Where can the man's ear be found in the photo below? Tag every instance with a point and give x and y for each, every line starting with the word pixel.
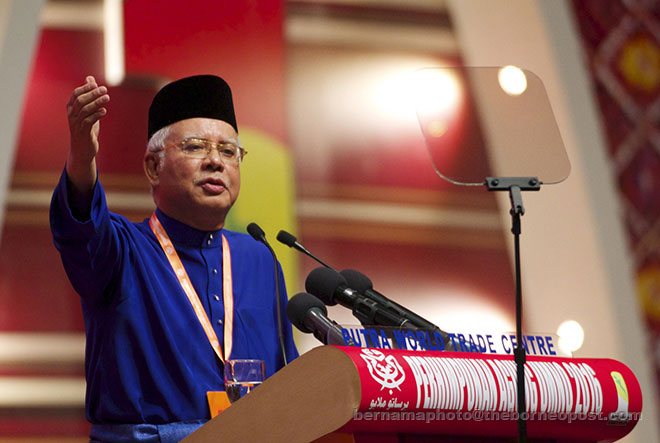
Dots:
pixel 152 167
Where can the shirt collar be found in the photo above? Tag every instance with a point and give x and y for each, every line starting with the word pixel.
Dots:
pixel 185 235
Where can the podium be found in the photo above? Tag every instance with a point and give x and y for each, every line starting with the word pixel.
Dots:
pixel 346 394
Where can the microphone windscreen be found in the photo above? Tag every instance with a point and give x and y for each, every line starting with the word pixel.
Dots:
pixel 357 280
pixel 256 232
pixel 323 282
pixel 286 238
pixel 298 307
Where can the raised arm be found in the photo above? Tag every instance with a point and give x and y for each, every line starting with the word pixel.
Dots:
pixel 84 110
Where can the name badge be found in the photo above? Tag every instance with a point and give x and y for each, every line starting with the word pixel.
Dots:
pixel 218 402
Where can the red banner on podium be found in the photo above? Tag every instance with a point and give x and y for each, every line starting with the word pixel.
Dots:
pixel 455 393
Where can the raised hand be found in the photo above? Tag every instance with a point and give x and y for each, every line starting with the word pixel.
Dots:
pixel 84 110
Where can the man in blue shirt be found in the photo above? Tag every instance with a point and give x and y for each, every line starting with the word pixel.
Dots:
pixel 168 300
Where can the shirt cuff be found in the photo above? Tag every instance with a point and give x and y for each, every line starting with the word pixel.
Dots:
pixel 62 220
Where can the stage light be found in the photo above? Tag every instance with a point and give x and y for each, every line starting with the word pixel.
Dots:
pixel 437 92
pixel 571 335
pixel 113 41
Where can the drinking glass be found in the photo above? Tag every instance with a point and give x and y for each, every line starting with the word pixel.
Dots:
pixel 241 376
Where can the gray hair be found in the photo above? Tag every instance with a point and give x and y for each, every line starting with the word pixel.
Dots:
pixel 156 144
pixel 157 141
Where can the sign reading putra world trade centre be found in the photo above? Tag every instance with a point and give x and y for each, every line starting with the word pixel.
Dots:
pixel 424 340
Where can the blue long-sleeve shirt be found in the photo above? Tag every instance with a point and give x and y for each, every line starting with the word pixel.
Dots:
pixel 147 358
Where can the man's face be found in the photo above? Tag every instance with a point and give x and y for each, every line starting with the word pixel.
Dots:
pixel 198 192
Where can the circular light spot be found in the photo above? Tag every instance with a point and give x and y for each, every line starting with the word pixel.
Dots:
pixel 512 80
pixel 571 335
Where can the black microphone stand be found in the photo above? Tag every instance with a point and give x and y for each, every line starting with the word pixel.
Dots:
pixel 259 235
pixel 515 185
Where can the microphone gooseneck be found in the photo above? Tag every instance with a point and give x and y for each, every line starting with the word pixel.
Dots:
pixel 259 235
pixel 291 241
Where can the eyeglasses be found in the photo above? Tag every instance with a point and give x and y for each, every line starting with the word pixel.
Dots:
pixel 200 148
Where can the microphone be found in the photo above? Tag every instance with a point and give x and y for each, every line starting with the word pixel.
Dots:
pixel 292 242
pixel 309 315
pixel 259 235
pixel 363 285
pixel 331 288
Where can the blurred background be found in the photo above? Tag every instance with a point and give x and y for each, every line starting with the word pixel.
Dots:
pixel 324 92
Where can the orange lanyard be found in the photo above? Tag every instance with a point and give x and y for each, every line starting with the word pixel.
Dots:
pixel 193 298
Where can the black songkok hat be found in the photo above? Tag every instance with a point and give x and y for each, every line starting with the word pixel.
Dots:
pixel 198 96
